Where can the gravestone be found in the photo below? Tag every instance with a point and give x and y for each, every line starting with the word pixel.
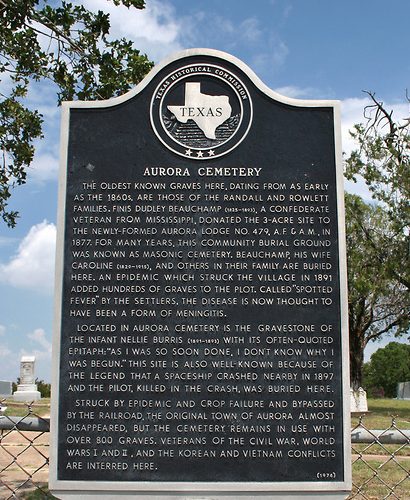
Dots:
pixel 403 390
pixel 200 329
pixel 358 401
pixel 27 388
pixel 5 388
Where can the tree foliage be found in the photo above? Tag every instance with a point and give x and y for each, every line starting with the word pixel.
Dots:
pixel 387 367
pixel 378 236
pixel 44 388
pixel 383 160
pixel 67 45
pixel 378 303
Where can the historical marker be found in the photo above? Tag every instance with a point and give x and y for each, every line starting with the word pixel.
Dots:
pixel 201 338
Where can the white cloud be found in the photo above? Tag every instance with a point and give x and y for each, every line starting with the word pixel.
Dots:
pixel 296 92
pixel 4 351
pixel 250 30
pixel 44 168
pixel 6 83
pixel 273 57
pixel 287 11
pixel 280 52
pixel 43 97
pixel 159 31
pixel 352 113
pixel 38 336
pixel 33 265
pixel 35 344
pixel 7 240
pixel 154 30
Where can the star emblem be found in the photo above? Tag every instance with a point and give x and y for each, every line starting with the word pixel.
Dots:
pixel 188 152
pixel 200 154
pixel 211 152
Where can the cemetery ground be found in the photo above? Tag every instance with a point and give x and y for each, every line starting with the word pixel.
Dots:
pixel 377 463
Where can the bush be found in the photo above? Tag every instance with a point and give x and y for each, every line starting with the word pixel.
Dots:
pixel 43 388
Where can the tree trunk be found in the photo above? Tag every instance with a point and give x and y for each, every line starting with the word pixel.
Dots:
pixel 356 359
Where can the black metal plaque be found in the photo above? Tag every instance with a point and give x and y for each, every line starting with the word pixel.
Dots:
pixel 202 297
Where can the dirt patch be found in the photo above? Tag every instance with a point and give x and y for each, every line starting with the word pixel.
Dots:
pixel 23 462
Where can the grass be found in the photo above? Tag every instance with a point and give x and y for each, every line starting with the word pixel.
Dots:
pixel 15 409
pixel 380 418
pixel 382 411
pixel 390 477
pixel 376 480
pixel 399 450
pixel 39 494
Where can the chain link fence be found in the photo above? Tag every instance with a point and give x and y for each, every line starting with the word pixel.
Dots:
pixel 24 452
pixel 380 462
pixel 380 458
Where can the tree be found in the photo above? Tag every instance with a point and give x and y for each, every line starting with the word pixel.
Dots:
pixel 387 367
pixel 379 250
pixel 43 388
pixel 383 160
pixel 67 45
pixel 378 302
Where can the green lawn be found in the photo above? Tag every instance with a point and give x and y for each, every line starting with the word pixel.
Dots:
pixel 41 494
pixel 39 408
pixel 391 479
pixel 381 413
pixel 377 474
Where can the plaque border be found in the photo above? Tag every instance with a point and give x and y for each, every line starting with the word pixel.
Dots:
pixel 65 489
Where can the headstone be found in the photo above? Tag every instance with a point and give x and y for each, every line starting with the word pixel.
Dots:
pixel 5 388
pixel 358 401
pixel 403 390
pixel 200 330
pixel 27 388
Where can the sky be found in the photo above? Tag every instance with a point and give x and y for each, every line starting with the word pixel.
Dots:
pixel 307 49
